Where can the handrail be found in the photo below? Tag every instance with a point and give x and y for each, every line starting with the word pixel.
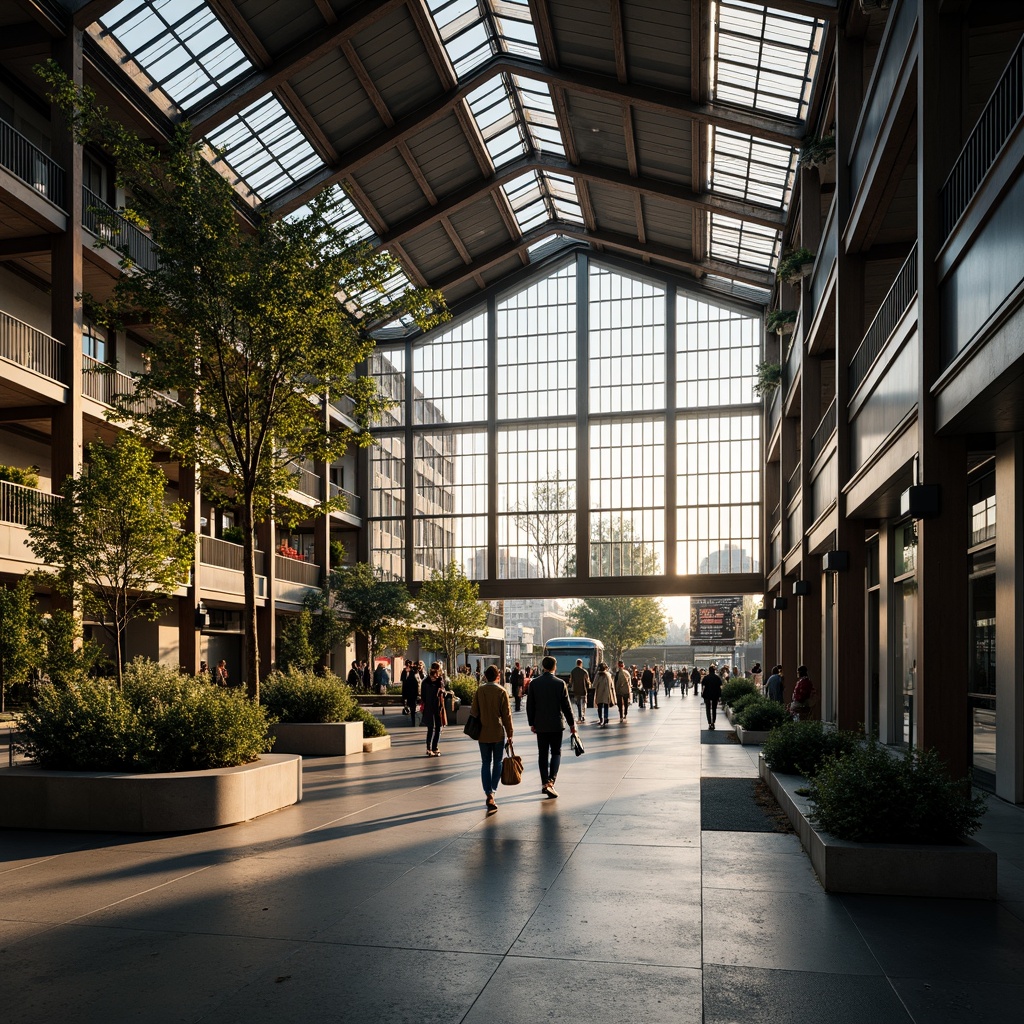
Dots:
pixel 793 484
pixel 825 429
pixel 22 505
pixel 116 231
pixel 294 570
pixel 309 482
pixel 896 302
pixel 355 502
pixel 225 554
pixel 27 161
pixel 29 347
pixel 1001 115
pixel 774 411
pixel 102 383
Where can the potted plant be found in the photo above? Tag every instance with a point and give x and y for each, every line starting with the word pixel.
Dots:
pixel 769 377
pixel 780 321
pixel 795 264
pixel 818 151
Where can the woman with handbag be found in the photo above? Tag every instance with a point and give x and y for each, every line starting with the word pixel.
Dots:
pixel 491 707
pixel 432 694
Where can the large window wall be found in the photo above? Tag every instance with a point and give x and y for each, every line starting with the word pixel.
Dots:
pixel 597 421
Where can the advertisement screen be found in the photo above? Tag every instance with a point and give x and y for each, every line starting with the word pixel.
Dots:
pixel 713 619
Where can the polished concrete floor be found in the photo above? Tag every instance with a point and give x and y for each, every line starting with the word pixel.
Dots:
pixel 389 895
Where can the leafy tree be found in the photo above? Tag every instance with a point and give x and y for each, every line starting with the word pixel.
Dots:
pixel 451 611
pixel 548 521
pixel 66 658
pixel 246 326
pixel 20 640
pixel 619 622
pixel 114 541
pixel 378 606
pixel 294 650
pixel 329 626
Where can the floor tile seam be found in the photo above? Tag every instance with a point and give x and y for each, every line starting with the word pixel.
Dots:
pixel 33 863
pixel 602 962
pixel 845 973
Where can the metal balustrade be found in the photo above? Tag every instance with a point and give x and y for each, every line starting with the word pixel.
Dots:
pixel 295 570
pixel 774 411
pixel 355 503
pixel 225 554
pixel 825 429
pixel 21 343
pixel 27 161
pixel 102 383
pixel 116 231
pixel 1001 115
pixel 309 482
pixel 22 505
pixel 894 305
pixel 793 485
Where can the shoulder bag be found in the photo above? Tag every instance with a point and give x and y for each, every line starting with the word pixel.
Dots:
pixel 473 727
pixel 511 767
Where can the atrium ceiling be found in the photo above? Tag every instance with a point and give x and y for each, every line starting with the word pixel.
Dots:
pixel 465 135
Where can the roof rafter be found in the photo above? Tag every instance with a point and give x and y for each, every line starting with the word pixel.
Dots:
pixel 763 126
pixel 666 190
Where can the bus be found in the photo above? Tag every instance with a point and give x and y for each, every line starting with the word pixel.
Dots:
pixel 567 649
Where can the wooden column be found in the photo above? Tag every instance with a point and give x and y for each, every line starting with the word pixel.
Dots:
pixel 943 720
pixel 188 632
pixel 266 616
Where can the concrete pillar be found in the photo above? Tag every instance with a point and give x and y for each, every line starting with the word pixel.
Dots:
pixel 266 616
pixel 188 631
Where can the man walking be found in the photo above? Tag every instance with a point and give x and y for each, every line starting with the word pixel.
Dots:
pixel 712 693
pixel 623 692
pixel 547 703
pixel 579 683
pixel 775 687
pixel 695 679
pixel 515 680
pixel 649 679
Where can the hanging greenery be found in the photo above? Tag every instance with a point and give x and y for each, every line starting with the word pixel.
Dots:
pixel 818 151
pixel 795 264
pixel 780 321
pixel 769 377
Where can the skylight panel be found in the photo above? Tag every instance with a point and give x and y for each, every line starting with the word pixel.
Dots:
pixel 765 59
pixel 751 169
pixel 527 198
pixel 180 44
pixel 750 245
pixel 265 148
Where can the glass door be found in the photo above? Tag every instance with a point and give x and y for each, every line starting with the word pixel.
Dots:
pixel 982 679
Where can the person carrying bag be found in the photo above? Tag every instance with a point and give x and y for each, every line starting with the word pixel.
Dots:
pixel 491 720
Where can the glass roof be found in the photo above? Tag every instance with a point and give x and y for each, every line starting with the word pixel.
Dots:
pixel 761 59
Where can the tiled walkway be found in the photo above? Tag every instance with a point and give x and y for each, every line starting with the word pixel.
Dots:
pixel 388 895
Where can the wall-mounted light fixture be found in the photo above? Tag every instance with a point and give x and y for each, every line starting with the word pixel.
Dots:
pixel 801 588
pixel 779 604
pixel 835 561
pixel 762 613
pixel 920 501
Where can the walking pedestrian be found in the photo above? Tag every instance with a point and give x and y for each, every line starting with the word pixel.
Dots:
pixel 668 680
pixel 547 703
pixel 491 706
pixel 695 679
pixel 411 679
pixel 623 695
pixel 604 694
pixel 776 687
pixel 712 693
pixel 516 679
pixel 579 683
pixel 433 690
pixel 649 681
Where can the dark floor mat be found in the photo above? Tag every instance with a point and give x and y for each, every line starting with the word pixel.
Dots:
pixel 740 805
pixel 720 734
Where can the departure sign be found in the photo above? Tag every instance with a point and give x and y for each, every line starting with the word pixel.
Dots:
pixel 713 618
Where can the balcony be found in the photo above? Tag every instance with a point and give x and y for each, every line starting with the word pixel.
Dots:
pixel 295 579
pixel 345 405
pixel 32 349
pixel 23 506
pixel 825 429
pixel 223 565
pixel 117 232
pixel 355 503
pixel 102 383
pixel 29 163
pixel 774 412
pixel 894 305
pixel 822 268
pixel 309 482
pixel 1001 115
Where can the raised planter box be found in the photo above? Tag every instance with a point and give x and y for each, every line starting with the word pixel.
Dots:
pixel 462 715
pixel 964 871
pixel 751 737
pixel 318 739
pixel 171 802
pixel 372 743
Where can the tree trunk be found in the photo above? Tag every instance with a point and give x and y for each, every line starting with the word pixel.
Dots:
pixel 119 628
pixel 252 652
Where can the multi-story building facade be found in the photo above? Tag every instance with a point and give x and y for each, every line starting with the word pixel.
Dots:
pixel 894 455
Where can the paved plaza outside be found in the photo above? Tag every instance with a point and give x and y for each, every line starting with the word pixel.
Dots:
pixel 389 895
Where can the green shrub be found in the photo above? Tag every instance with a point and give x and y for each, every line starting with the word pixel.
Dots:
pixel 742 701
pixel 159 722
pixel 302 696
pixel 736 688
pixel 17 475
pixel 870 796
pixel 761 715
pixel 465 688
pixel 801 748
pixel 372 725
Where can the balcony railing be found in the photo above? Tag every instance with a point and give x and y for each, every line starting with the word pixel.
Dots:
pixel 103 384
pixel 294 570
pixel 791 367
pixel 355 503
pixel 1001 115
pixel 23 506
pixel 225 554
pixel 894 305
pixel 793 485
pixel 106 223
pixel 309 482
pixel 28 162
pixel 24 345
pixel 345 404
pixel 774 411
pixel 826 428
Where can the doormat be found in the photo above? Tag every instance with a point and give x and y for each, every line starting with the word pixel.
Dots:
pixel 740 805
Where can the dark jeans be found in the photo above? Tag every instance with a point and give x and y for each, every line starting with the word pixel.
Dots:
pixel 549 755
pixel 711 709
pixel 623 705
pixel 519 700
pixel 602 713
pixel 432 720
pixel 652 698
pixel 490 765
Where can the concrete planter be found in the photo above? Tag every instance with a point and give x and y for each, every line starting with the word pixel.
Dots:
pixel 752 737
pixel 372 743
pixel 964 871
pixel 171 802
pixel 462 715
pixel 318 739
